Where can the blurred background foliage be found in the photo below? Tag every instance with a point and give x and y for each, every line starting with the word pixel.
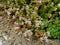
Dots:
pixel 48 10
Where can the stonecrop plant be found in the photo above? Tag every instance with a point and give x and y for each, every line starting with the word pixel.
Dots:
pixel 38 16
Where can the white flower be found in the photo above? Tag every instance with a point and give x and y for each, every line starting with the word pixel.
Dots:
pixel 28 22
pixel 9 38
pixel 33 12
pixel 22 23
pixel 14 8
pixel 17 9
pixel 48 33
pixel 27 7
pixel 20 18
pixel 41 38
pixel 17 12
pixel 28 33
pixel 52 3
pixel 45 38
pixel 23 18
pixel 36 8
pixel 14 17
pixel 40 1
pixel 16 23
pixel 10 9
pixel 38 23
pixel 16 28
pixel 5 37
pixel 58 5
pixel 20 33
pixel 8 13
